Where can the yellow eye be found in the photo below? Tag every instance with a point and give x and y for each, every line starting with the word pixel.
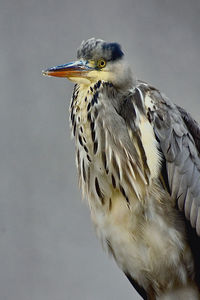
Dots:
pixel 101 63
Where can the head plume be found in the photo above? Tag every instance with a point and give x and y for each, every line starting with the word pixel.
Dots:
pixel 97 48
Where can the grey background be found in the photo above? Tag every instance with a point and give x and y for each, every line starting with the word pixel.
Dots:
pixel 48 248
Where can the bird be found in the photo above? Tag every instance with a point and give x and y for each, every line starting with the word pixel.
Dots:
pixel 138 161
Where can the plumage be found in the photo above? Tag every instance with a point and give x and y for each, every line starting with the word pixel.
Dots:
pixel 139 168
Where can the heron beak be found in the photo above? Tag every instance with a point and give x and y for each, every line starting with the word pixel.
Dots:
pixel 70 70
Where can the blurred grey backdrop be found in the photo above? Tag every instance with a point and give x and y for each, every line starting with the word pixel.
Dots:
pixel 48 248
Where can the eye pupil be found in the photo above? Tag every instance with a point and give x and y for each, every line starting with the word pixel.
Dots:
pixel 101 63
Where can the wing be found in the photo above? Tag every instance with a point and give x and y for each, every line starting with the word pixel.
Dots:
pixel 192 126
pixel 178 135
pixel 179 139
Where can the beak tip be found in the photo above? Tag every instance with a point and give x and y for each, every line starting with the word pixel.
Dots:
pixel 45 73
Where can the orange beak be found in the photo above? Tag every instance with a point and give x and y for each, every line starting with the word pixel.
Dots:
pixel 73 69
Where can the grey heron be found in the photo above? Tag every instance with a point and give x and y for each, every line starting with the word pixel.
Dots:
pixel 137 155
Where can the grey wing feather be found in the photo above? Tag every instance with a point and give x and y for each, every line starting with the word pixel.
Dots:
pixel 192 126
pixel 179 138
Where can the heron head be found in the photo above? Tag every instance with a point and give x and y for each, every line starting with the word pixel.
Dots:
pixel 97 60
